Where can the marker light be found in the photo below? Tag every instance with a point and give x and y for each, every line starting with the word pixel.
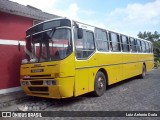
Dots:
pixel 49 82
pixel 24 61
pixel 24 83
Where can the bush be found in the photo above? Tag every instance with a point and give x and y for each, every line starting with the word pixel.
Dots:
pixel 157 64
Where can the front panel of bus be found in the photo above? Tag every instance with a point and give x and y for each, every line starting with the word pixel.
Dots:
pixel 48 67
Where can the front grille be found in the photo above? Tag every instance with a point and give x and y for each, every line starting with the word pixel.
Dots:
pixel 38 89
pixel 35 77
pixel 40 75
pixel 36 82
pixel 40 93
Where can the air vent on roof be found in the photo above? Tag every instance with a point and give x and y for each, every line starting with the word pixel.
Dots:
pixel 34 8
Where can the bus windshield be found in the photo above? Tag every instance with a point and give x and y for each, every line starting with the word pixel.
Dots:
pixel 49 45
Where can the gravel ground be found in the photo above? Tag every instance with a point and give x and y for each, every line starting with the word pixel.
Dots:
pixel 130 95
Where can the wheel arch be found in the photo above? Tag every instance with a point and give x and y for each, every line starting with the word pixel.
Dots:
pixel 145 65
pixel 105 73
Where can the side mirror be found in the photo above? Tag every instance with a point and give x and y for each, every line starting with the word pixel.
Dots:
pixel 19 46
pixel 80 33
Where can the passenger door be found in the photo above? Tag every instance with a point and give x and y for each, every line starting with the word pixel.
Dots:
pixel 84 48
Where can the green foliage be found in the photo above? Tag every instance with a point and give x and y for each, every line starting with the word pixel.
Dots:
pixel 157 64
pixel 149 36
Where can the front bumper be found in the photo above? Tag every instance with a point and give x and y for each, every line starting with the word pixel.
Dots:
pixel 64 88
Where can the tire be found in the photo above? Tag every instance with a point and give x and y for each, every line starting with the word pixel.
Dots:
pixel 99 84
pixel 143 75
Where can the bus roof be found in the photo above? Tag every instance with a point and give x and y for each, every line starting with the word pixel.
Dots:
pixel 105 29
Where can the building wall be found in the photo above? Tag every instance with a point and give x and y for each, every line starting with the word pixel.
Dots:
pixel 12 29
pixel 10 66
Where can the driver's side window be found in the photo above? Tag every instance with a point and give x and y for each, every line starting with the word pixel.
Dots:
pixel 85 46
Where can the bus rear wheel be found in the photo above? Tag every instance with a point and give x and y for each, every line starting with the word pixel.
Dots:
pixel 99 84
pixel 143 72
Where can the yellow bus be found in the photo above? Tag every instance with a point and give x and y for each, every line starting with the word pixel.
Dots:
pixel 66 58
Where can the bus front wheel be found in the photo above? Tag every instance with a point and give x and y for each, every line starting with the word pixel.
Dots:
pixel 99 84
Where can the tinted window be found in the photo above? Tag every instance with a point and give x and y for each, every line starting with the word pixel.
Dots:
pixel 51 24
pixel 48 25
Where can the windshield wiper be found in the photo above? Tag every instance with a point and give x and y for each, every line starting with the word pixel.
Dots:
pixel 46 42
pixel 28 52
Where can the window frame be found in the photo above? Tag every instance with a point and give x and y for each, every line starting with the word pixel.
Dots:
pixel 102 40
pixel 81 51
pixel 143 43
pixel 140 46
pixel 111 42
pixel 132 42
pixel 126 44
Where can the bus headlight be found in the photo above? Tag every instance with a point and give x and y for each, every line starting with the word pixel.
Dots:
pixel 24 61
pixel 49 82
pixel 24 83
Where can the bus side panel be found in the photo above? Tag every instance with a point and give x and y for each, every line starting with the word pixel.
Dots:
pixel 133 66
pixel 92 75
pixel 147 59
pixel 150 62
pixel 112 63
pixel 116 68
pixel 81 77
pixel 85 75
pixel 150 65
pixel 81 82
pixel 92 71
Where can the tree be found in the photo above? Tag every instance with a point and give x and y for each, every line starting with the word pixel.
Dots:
pixel 156 48
pixel 149 36
pixel 140 35
pixel 156 36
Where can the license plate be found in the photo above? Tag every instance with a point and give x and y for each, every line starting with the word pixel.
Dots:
pixel 37 70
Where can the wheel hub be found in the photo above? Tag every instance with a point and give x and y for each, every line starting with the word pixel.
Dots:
pixel 100 82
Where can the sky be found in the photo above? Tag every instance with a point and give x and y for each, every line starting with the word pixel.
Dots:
pixel 125 16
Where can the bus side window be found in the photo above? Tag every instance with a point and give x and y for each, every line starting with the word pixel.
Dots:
pixel 125 43
pixel 85 46
pixel 143 46
pixel 147 47
pixel 139 47
pixel 150 48
pixel 149 44
pixel 115 42
pixel 89 40
pixel 132 45
pixel 101 39
pixel 79 45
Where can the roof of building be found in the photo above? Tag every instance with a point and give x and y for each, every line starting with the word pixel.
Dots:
pixel 26 11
